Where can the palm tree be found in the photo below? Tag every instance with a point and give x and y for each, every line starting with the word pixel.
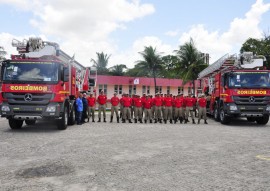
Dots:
pixel 118 70
pixel 101 63
pixel 150 64
pixel 191 62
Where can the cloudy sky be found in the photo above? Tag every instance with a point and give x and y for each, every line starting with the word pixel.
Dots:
pixel 122 28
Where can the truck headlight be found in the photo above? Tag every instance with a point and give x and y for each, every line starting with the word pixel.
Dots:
pixel 51 108
pixel 268 108
pixel 5 108
pixel 233 107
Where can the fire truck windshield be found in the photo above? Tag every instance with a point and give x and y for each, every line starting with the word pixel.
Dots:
pixel 30 72
pixel 249 80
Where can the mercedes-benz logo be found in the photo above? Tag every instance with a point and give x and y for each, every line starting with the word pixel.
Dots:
pixel 251 99
pixel 28 97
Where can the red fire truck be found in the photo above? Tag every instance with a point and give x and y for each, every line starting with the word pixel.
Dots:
pixel 237 87
pixel 41 82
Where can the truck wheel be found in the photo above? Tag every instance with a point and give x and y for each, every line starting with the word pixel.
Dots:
pixel 72 117
pixel 15 124
pixel 223 118
pixel 63 122
pixel 30 122
pixel 263 120
pixel 216 114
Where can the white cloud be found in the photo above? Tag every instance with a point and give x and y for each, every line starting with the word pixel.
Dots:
pixel 172 33
pixel 240 30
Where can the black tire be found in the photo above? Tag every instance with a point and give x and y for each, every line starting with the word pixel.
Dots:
pixel 30 122
pixel 251 119
pixel 223 118
pixel 15 124
pixel 216 113
pixel 263 120
pixel 72 116
pixel 63 122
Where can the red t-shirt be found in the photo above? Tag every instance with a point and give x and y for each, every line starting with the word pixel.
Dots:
pixel 115 101
pixel 137 102
pixel 157 101
pixel 190 101
pixel 147 103
pixel 179 102
pixel 91 101
pixel 202 102
pixel 102 99
pixel 168 101
pixel 127 101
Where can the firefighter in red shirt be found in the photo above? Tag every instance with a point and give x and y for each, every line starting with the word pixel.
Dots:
pixel 102 100
pixel 190 102
pixel 127 101
pixel 121 106
pixel 115 107
pixel 137 109
pixel 147 104
pixel 179 104
pixel 202 109
pixel 91 107
pixel 168 108
pixel 158 102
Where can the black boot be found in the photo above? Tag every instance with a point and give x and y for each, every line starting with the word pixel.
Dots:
pixel 165 121
pixel 88 119
pixel 98 120
pixel 129 121
pixel 111 119
pixel 155 121
pixel 186 120
pixel 175 120
pixel 135 120
pixel 171 121
pixel 145 121
pixel 193 121
pixel 117 119
pixel 150 120
pixel 198 121
pixel 104 120
pixel 160 120
pixel 205 122
pixel 181 120
pixel 123 121
pixel 93 120
pixel 140 120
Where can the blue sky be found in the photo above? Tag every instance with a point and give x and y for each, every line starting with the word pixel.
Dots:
pixel 122 28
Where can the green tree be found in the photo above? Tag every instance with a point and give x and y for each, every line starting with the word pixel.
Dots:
pixel 169 66
pixel 258 47
pixel 150 64
pixel 101 63
pixel 191 62
pixel 118 70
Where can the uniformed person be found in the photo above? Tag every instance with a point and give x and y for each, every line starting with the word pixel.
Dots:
pixel 147 104
pixel 91 107
pixel 190 102
pixel 115 107
pixel 127 101
pixel 168 108
pixel 102 101
pixel 137 109
pixel 202 109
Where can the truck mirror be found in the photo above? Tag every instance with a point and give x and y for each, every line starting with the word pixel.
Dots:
pixel 66 75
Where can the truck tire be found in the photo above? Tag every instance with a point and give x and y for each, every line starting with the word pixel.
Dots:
pixel 15 124
pixel 223 118
pixel 251 119
pixel 216 113
pixel 72 117
pixel 30 122
pixel 263 120
pixel 63 122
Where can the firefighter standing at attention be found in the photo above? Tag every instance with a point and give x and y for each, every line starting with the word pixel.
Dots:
pixel 102 100
pixel 115 107
pixel 202 109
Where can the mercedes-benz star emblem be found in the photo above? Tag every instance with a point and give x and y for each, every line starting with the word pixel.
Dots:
pixel 28 97
pixel 251 99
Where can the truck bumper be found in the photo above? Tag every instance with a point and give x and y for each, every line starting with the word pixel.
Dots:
pixel 231 109
pixel 30 112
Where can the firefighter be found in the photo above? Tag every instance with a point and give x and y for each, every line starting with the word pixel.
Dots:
pixel 178 104
pixel 127 101
pixel 91 107
pixel 102 100
pixel 202 109
pixel 114 107
pixel 147 104
pixel 168 108
pixel 189 101
pixel 158 102
pixel 121 106
pixel 137 109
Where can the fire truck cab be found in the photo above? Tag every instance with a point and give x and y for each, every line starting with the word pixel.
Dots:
pixel 237 87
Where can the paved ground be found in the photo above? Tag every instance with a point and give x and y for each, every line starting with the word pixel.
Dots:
pixel 141 157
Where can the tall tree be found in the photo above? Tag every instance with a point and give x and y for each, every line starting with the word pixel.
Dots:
pixel 191 62
pixel 118 70
pixel 151 63
pixel 169 66
pixel 101 63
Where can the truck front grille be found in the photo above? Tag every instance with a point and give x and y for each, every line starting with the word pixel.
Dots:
pixel 28 98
